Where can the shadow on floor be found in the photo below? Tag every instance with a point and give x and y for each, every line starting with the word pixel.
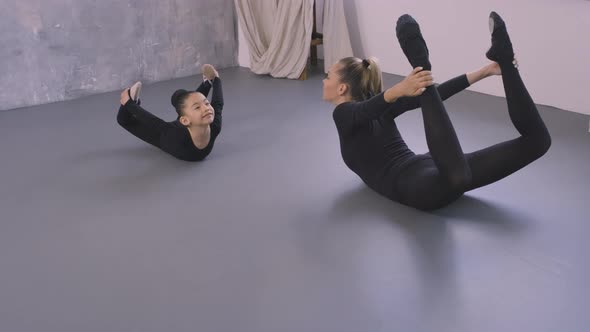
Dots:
pixel 467 209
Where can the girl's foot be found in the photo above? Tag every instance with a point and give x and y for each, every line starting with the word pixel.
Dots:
pixel 134 91
pixel 124 97
pixel 209 72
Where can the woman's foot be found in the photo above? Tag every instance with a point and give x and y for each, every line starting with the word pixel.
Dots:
pixel 411 41
pixel 209 72
pixel 493 69
pixel 501 50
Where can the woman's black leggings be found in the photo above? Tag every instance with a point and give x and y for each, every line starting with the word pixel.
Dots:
pixel 433 183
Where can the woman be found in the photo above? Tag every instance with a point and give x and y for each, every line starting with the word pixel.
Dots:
pixel 373 148
pixel 192 136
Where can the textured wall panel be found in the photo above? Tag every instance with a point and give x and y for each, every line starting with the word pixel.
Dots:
pixel 55 50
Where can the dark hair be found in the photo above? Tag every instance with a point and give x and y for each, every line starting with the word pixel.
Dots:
pixel 363 77
pixel 178 98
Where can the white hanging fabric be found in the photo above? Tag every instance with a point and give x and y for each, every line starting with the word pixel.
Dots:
pixel 335 30
pixel 278 33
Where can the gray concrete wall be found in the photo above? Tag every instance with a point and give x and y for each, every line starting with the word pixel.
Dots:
pixel 53 50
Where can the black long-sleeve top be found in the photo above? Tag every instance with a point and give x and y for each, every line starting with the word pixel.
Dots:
pixel 174 138
pixel 370 143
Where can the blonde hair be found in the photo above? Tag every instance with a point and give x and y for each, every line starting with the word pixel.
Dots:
pixel 363 77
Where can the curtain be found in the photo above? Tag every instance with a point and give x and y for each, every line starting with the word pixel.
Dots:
pixel 278 34
pixel 336 37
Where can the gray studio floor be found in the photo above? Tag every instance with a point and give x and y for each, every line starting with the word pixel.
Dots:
pixel 272 233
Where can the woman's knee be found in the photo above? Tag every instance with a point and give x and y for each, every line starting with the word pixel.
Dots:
pixel 544 143
pixel 538 145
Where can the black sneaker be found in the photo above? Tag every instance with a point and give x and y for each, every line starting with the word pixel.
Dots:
pixel 501 50
pixel 411 41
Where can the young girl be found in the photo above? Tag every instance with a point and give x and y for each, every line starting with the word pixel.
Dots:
pixel 192 136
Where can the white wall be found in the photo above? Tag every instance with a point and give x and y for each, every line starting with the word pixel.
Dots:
pixel 550 38
pixel 56 50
